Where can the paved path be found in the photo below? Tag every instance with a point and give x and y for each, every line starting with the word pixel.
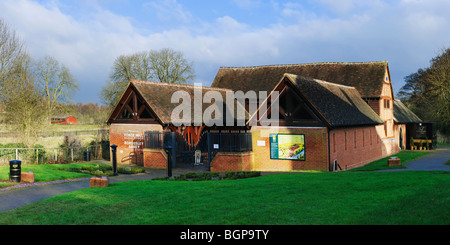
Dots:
pixel 17 197
pixel 433 161
pixel 11 199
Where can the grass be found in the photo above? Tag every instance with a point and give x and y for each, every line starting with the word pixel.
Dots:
pixel 405 156
pixel 344 198
pixel 48 172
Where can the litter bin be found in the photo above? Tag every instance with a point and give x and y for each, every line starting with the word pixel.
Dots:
pixel 87 156
pixel 15 170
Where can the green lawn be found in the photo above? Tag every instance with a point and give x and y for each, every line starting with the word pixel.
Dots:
pixel 353 198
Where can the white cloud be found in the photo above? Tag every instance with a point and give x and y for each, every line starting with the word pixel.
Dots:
pixel 89 44
pixel 169 11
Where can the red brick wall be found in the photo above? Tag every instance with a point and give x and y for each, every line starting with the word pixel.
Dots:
pixel 155 158
pixel 129 138
pixel 351 152
pixel 316 149
pixel 224 162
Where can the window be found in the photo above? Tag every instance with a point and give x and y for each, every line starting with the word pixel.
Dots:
pixel 387 103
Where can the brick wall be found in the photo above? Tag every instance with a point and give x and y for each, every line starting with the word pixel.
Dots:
pixel 154 158
pixel 356 146
pixel 316 149
pixel 233 161
pixel 129 139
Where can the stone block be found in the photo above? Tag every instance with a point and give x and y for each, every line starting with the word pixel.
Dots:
pixel 27 177
pixel 394 162
pixel 99 182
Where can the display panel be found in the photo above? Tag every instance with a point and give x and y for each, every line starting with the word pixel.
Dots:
pixel 287 147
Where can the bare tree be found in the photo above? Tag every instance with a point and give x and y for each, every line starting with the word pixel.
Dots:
pixel 170 66
pixel 24 105
pixel 55 81
pixel 12 50
pixel 166 65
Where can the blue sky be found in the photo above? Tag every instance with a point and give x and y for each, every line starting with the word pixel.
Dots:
pixel 87 35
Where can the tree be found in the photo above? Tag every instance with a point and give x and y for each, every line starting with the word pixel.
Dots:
pixel 23 103
pixel 170 66
pixel 166 65
pixel 427 92
pixel 11 51
pixel 55 81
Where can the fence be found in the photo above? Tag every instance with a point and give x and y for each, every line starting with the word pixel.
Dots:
pixel 52 155
pixel 60 133
pixel 231 142
pixel 223 142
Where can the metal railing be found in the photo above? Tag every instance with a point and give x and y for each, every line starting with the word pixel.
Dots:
pixel 222 142
pixel 51 155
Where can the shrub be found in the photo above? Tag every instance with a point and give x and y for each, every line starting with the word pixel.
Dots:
pixel 128 170
pixel 203 176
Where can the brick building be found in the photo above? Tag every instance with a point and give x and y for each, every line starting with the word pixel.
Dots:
pixel 331 116
pixel 67 120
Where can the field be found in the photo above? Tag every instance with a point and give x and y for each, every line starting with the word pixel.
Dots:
pixel 55 134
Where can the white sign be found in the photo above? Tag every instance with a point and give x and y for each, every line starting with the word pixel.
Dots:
pixel 216 146
pixel 261 143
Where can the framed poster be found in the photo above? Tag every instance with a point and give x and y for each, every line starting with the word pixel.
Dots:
pixel 287 147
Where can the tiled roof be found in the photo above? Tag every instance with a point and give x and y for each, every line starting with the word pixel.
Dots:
pixel 403 115
pixel 158 95
pixel 366 77
pixel 340 105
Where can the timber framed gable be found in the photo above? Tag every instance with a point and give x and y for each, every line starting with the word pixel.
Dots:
pixel 132 108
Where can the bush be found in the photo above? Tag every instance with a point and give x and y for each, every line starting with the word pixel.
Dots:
pixel 203 176
pixel 128 170
pixel 241 175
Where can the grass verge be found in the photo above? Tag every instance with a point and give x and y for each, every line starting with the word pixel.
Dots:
pixel 49 172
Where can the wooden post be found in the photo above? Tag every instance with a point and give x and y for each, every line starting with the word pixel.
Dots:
pixel 37 156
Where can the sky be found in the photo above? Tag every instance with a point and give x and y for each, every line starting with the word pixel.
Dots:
pixel 88 35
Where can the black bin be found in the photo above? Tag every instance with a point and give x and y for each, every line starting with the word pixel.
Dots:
pixel 87 156
pixel 15 170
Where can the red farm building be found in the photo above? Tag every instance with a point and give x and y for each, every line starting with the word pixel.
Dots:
pixel 69 120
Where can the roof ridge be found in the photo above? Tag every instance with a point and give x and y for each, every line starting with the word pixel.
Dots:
pixel 179 85
pixel 304 64
pixel 320 81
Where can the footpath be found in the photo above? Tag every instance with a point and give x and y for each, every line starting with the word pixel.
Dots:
pixel 21 195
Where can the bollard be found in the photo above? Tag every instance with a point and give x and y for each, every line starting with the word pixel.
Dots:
pixel 15 170
pixel 169 160
pixel 87 156
pixel 114 159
